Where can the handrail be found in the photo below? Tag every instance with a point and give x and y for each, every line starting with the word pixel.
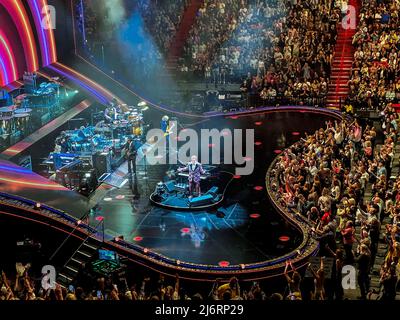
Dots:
pixel 138 250
pixel 83 242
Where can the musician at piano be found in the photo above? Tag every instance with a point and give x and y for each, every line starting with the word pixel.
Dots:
pixel 195 170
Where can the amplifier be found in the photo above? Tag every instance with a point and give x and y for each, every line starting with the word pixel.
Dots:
pixel 202 200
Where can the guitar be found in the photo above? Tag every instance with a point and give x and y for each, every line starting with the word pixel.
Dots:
pixel 169 130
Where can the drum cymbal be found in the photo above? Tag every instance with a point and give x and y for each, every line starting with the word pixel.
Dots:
pixel 21 96
pixel 5 118
pixel 21 115
pixel 8 109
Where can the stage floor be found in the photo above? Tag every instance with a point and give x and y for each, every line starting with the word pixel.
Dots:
pixel 246 229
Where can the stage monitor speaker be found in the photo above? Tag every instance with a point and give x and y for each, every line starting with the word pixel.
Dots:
pixel 200 201
pixel 102 163
pixel 170 186
pixel 213 191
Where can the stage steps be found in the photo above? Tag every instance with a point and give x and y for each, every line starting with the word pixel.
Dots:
pixel 84 254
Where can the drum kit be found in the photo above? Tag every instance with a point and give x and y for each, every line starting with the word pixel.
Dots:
pixel 129 122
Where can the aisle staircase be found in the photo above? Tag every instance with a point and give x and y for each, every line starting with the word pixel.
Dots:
pixel 342 62
pixel 178 42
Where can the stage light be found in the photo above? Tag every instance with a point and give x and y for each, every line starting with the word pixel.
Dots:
pixel 242 266
pixel 145 108
pixel 79 222
pixel 284 238
pixel 178 262
pixel 120 197
pixel 76 91
pixel 137 238
pixel 38 205
pixel 108 199
pixel 258 143
pixel 236 176
pixel 87 175
pixel 142 104
pixel 258 123
pixel 295 133
pixel 277 151
pixel 185 230
pixel 99 218
pixel 255 215
pixel 258 188
pixel 145 250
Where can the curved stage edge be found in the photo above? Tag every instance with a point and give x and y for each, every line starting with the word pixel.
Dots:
pixel 24 208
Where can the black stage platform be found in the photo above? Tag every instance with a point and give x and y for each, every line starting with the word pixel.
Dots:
pixel 173 195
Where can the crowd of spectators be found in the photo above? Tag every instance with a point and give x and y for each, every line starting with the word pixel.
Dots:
pixel 375 78
pixel 162 19
pixel 278 49
pixel 323 178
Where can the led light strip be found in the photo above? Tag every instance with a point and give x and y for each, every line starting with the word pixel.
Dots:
pixel 3 73
pixel 20 18
pixel 9 58
pixel 46 36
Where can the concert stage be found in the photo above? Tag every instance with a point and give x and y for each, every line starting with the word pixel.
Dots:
pixel 242 229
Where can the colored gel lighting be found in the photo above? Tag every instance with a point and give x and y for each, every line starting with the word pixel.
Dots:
pixel 223 263
pixel 284 238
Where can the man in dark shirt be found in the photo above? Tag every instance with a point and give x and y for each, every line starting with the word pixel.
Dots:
pixel 363 262
pixel 389 282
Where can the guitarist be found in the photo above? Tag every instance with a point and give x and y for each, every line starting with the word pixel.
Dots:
pixel 167 128
pixel 130 155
